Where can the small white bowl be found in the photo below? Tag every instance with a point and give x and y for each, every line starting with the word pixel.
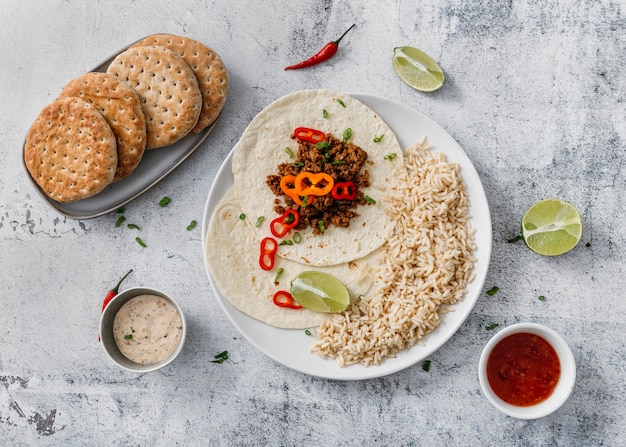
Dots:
pixel 108 341
pixel 563 387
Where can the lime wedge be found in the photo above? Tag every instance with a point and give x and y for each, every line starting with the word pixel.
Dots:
pixel 320 292
pixel 417 69
pixel 552 227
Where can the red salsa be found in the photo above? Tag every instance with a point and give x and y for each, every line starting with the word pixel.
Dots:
pixel 523 369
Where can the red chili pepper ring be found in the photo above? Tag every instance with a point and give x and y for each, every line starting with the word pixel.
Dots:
pixel 344 191
pixel 269 247
pixel 309 135
pixel 283 224
pixel 284 299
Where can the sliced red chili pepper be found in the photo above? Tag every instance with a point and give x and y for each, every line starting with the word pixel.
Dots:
pixel 344 191
pixel 287 184
pixel 309 135
pixel 284 299
pixel 325 53
pixel 283 224
pixel 309 184
pixel 269 247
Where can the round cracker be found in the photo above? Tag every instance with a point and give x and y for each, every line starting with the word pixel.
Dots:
pixel 70 150
pixel 169 92
pixel 120 105
pixel 208 68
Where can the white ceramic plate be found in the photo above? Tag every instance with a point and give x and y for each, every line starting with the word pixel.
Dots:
pixel 155 165
pixel 292 347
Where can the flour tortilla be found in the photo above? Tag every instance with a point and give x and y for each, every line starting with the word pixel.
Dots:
pixel 232 257
pixel 261 149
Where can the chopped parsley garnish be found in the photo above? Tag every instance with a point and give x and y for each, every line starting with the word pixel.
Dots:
pixel 221 357
pixel 493 291
pixel 165 201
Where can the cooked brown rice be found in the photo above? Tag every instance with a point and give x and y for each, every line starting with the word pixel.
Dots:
pixel 427 266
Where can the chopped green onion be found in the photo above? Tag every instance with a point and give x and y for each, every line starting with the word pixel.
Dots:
pixel 128 336
pixel 338 162
pixel 297 164
pixel 278 273
pixel 120 210
pixel 242 216
pixel 133 227
pixel 164 201
pixel 515 239
pixel 390 156
pixel 378 139
pixel 192 225
pixel 221 357
pixel 426 365
pixel 259 221
pixel 119 221
pixel 347 134
pixel 289 151
pixel 493 291
pixel 140 242
pixel 322 145
pixel 307 332
pixel 305 199
pixel 541 298
pixel 341 103
pixel 297 238
pixel 368 199
pixel 326 156
pixel 321 225
pixel 492 326
pixel 286 242
pixel 325 113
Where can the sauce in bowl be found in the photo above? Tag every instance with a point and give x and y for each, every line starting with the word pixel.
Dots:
pixel 147 329
pixel 523 369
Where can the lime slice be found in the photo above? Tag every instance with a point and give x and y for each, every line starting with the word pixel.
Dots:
pixel 320 292
pixel 552 227
pixel 417 69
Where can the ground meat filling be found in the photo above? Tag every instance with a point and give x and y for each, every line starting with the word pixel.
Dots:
pixel 344 162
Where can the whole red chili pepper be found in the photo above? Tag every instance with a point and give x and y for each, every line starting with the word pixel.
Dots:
pixel 284 299
pixel 344 191
pixel 269 247
pixel 283 224
pixel 114 291
pixel 309 135
pixel 324 54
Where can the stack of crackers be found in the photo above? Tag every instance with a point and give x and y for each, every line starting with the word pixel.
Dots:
pixel 153 94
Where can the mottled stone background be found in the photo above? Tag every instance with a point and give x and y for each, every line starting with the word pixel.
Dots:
pixel 535 94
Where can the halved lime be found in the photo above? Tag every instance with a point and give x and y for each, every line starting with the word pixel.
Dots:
pixel 552 227
pixel 320 292
pixel 417 69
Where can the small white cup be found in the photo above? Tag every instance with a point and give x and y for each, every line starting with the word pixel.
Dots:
pixel 563 387
pixel 108 341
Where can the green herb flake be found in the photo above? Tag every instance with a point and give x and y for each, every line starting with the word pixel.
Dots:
pixel 120 221
pixel 390 156
pixel 259 221
pixel 278 273
pixel 347 134
pixel 321 225
pixel 286 242
pixel 492 326
pixel 164 201
pixel 322 145
pixel 368 199
pixel 378 139
pixel 297 238
pixel 128 336
pixel 515 239
pixel 541 298
pixel 341 103
pixel 493 290
pixel 192 225
pixel 338 162
pixel 221 357
pixel 325 113
pixel 133 227
pixel 242 216
pixel 297 164
pixel 307 332
pixel 426 365
pixel 305 200
pixel 140 242
pixel 289 151
pixel 120 210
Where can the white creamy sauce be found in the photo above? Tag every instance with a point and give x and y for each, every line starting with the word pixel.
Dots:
pixel 147 329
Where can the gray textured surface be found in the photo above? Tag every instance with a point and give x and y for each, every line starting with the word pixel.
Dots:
pixel 535 94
